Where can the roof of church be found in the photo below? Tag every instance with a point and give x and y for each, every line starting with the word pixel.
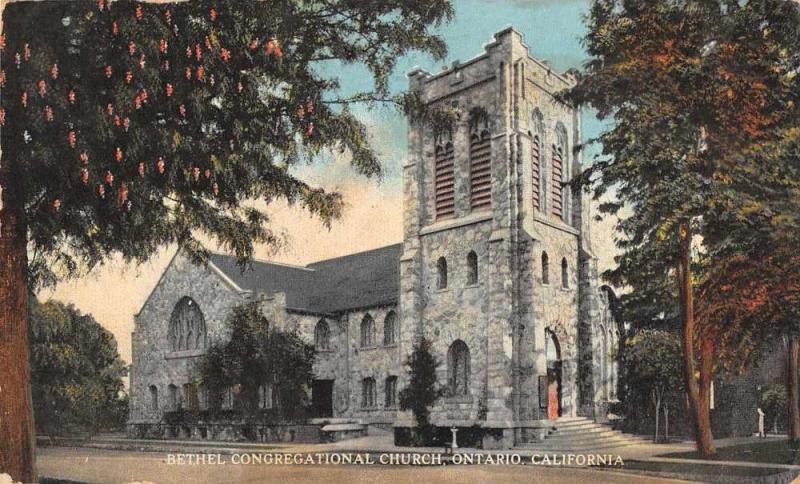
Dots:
pixel 365 279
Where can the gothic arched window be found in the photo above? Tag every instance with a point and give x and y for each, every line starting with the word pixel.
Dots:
pixel 154 398
pixel 444 175
pixel 187 326
pixel 472 268
pixel 390 391
pixel 564 273
pixel 322 336
pixel 480 160
pixel 390 329
pixel 368 392
pixel 441 273
pixel 367 332
pixel 458 368
pixel 545 268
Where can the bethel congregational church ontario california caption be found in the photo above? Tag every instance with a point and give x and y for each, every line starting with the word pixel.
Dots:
pixel 496 269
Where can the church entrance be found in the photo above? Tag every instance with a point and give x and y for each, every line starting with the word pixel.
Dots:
pixel 322 398
pixel 553 355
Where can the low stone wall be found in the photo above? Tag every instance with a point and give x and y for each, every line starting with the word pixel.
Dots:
pixel 233 432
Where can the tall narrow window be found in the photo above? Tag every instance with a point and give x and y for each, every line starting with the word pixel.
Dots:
pixel 545 268
pixel 367 332
pixel 559 172
pixel 480 160
pixel 322 336
pixel 187 326
pixel 390 329
pixel 564 273
pixel 444 177
pixel 458 368
pixel 390 390
pixel 172 394
pixel 441 273
pixel 265 396
pixel 154 398
pixel 537 190
pixel 368 395
pixel 536 170
pixel 190 396
pixel 472 268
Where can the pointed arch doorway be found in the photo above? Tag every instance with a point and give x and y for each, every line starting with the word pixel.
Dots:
pixel 552 351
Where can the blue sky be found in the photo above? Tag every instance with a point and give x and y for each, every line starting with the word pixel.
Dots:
pixel 552 30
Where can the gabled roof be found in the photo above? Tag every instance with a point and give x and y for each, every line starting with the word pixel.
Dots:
pixel 365 279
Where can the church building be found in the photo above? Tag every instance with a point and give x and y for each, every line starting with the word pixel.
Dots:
pixel 496 269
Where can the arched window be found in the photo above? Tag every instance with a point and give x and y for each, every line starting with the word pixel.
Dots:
pixel 368 394
pixel 564 273
pixel 480 160
pixel 390 329
pixel 441 273
pixel 545 268
pixel 190 396
pixel 172 394
pixel 536 159
pixel 390 390
pixel 367 332
pixel 187 326
pixel 558 172
pixel 458 368
pixel 444 175
pixel 154 398
pixel 472 268
pixel 202 397
pixel 322 336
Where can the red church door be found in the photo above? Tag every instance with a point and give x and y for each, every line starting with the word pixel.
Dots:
pixel 553 400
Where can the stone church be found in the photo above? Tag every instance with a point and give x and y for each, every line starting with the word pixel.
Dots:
pixel 496 268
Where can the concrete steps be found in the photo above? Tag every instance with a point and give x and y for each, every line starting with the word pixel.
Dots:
pixel 582 435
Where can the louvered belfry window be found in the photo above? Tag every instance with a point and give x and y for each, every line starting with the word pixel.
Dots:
pixel 444 167
pixel 480 161
pixel 536 170
pixel 557 173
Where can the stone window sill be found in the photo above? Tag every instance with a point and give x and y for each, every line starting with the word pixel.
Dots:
pixel 390 345
pixel 472 286
pixel 368 348
pixel 324 351
pixel 451 223
pixel 442 289
pixel 171 355
pixel 555 223
pixel 459 399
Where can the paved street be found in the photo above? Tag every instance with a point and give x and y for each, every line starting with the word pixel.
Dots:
pixel 112 466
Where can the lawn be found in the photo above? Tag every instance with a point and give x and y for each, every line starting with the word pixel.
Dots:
pixel 769 451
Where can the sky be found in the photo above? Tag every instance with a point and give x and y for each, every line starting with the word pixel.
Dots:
pixel 373 216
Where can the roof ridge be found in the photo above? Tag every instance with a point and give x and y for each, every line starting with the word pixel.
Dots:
pixel 262 261
pixel 355 254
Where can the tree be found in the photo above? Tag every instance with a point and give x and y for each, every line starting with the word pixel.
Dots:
pixel 256 357
pixel 76 372
pixel 651 369
pixel 691 85
pixel 128 126
pixel 423 389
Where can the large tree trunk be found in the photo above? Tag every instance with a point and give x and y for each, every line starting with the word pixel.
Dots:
pixel 698 406
pixel 793 392
pixel 17 436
